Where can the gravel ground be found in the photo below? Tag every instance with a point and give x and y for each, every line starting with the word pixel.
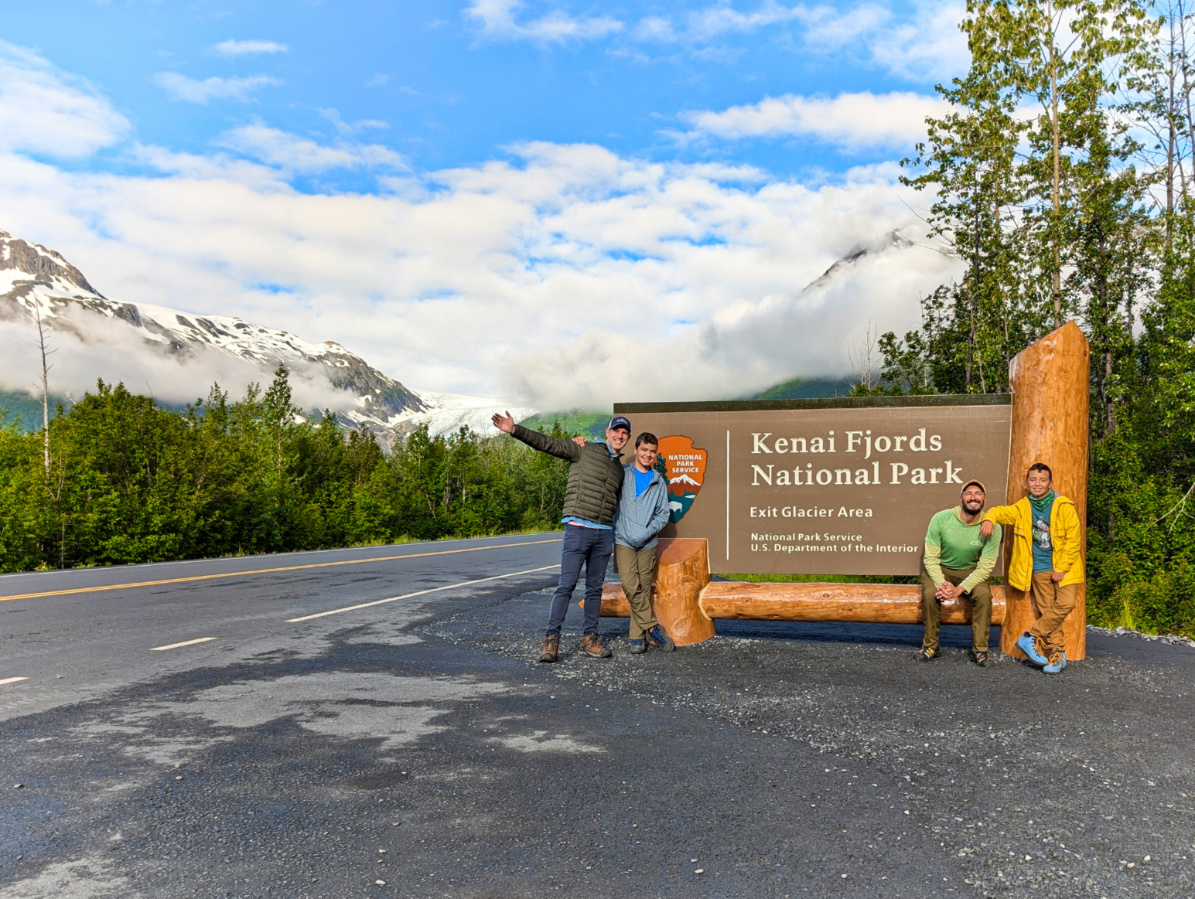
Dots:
pixel 1077 785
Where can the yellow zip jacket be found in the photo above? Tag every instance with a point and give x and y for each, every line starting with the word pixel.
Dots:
pixel 1065 534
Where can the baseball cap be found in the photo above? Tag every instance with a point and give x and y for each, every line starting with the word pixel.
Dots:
pixel 977 483
pixel 619 421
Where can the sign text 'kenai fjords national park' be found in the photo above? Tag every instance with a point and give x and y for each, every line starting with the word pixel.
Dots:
pixel 843 486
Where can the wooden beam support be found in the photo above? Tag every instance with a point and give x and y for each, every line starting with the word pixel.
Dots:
pixel 1050 384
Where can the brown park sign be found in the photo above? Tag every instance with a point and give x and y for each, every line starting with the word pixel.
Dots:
pixel 843 486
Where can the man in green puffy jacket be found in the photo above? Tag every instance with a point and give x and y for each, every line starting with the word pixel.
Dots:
pixel 590 499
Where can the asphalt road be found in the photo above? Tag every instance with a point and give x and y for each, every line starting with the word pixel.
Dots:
pixel 411 747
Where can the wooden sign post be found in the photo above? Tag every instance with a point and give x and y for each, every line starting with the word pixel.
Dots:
pixel 883 506
pixel 1050 397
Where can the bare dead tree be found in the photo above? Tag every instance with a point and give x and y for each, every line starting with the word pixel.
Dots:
pixel 864 358
pixel 45 384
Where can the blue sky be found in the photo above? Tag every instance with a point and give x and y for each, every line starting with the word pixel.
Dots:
pixel 486 196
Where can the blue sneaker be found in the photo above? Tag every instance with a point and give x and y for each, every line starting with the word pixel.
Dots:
pixel 638 647
pixel 1028 645
pixel 658 637
pixel 1057 663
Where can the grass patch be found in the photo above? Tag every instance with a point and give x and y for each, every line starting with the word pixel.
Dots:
pixel 824 578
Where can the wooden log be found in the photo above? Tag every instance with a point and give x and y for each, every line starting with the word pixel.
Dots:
pixel 1049 383
pixel 682 572
pixel 875 603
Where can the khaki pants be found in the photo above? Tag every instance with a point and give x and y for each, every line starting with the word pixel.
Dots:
pixel 636 568
pixel 981 608
pixel 1053 603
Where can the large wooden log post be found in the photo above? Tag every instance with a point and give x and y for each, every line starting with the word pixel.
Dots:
pixel 682 573
pixel 1049 383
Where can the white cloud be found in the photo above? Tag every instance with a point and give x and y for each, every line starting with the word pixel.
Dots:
pixel 298 154
pixel 46 111
pixel 536 276
pixel 929 46
pixel 248 48
pixel 346 129
pixel 849 120
pixel 192 90
pixel 497 21
pixel 831 28
pixel 925 44
pixel 922 43
pixel 701 25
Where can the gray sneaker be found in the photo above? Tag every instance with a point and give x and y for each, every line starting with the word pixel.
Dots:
pixel 658 637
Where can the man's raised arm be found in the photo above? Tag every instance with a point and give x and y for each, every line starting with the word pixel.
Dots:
pixel 553 446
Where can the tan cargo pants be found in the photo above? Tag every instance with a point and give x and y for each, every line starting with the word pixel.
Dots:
pixel 981 608
pixel 1053 603
pixel 636 569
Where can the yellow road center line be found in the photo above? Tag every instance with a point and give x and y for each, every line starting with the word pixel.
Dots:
pixel 378 602
pixel 225 574
pixel 11 680
pixel 184 643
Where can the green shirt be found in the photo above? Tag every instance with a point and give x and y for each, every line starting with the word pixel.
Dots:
pixel 951 543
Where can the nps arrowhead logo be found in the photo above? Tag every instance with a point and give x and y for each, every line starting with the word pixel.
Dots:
pixel 683 466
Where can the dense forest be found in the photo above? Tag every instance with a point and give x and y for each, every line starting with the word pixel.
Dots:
pixel 125 480
pixel 1061 176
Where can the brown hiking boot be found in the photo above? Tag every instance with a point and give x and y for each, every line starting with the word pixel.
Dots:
pixel 592 647
pixel 551 648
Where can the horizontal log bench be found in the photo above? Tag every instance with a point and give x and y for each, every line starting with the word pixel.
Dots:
pixel 850 603
pixel 687 602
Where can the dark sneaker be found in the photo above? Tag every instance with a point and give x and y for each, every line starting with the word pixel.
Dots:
pixel 659 638
pixel 551 648
pixel 592 647
pixel 1057 662
pixel 1028 645
pixel 638 647
pixel 980 658
pixel 927 653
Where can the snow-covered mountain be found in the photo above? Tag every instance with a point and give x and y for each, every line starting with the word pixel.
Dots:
pixel 35 281
pixel 893 240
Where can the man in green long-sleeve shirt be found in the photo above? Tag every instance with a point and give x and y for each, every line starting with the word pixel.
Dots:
pixel 959 561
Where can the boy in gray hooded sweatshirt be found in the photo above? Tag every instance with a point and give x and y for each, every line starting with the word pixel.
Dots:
pixel 642 513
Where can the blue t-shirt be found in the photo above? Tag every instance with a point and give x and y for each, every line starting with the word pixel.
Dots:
pixel 1043 549
pixel 642 479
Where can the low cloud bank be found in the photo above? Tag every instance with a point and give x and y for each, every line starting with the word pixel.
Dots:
pixel 115 355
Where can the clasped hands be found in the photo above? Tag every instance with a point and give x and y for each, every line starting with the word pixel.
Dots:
pixel 948 591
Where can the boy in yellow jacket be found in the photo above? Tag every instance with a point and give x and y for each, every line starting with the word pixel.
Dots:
pixel 1046 562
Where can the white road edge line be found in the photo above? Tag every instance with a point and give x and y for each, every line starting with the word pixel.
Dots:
pixel 12 680
pixel 184 643
pixel 378 602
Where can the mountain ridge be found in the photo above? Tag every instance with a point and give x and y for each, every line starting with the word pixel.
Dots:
pixel 39 282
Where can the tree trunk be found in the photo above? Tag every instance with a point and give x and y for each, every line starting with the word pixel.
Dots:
pixel 1056 127
pixel 45 387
